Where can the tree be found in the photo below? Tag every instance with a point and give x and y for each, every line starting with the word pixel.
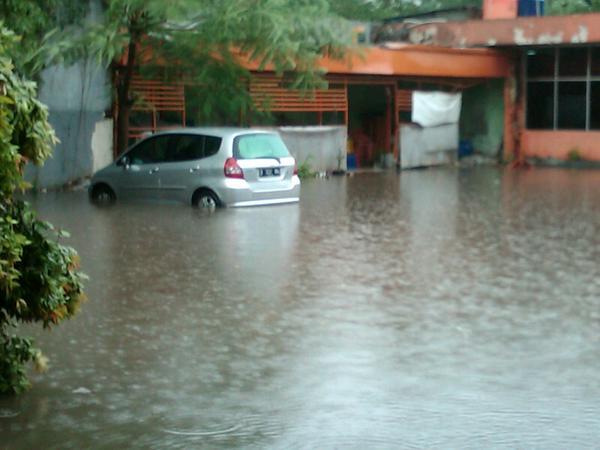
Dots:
pixel 382 9
pixel 559 7
pixel 204 42
pixel 39 280
pixel 36 22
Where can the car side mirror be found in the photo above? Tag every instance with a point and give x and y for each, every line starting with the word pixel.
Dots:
pixel 124 162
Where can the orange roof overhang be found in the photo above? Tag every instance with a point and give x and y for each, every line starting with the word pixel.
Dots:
pixel 414 61
pixel 396 59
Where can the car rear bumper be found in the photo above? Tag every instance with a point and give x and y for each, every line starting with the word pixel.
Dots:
pixel 274 201
pixel 237 193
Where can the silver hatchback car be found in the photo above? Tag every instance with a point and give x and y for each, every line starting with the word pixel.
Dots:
pixel 207 167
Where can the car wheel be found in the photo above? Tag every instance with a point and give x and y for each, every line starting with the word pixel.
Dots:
pixel 206 200
pixel 103 195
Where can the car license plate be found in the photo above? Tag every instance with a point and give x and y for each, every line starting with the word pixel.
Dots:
pixel 272 172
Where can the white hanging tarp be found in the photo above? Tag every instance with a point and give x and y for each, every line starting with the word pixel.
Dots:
pixel 431 109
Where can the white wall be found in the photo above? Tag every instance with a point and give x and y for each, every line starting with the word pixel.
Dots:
pixel 431 146
pixel 323 147
pixel 102 144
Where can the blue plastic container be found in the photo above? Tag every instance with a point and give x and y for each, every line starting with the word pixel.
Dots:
pixel 531 8
pixel 351 161
pixel 465 148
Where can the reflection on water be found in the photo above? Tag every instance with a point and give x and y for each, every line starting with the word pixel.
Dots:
pixel 437 308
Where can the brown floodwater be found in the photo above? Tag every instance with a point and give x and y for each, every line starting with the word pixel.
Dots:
pixel 442 308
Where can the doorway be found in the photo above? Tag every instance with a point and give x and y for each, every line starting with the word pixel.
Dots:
pixel 370 123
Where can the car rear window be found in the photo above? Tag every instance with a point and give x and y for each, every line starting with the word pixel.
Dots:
pixel 253 146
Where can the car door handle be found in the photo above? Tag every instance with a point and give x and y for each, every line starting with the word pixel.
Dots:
pixel 194 169
pixel 151 171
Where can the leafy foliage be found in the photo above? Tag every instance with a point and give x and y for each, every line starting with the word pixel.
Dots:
pixel 15 352
pixel 25 133
pixel 382 9
pixel 39 278
pixel 37 22
pixel 559 7
pixel 305 170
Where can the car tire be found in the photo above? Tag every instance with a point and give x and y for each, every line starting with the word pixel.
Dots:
pixel 102 195
pixel 206 200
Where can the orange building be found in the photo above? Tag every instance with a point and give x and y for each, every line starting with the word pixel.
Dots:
pixel 369 91
pixel 553 110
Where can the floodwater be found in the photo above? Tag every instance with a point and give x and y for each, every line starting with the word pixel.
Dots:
pixel 429 309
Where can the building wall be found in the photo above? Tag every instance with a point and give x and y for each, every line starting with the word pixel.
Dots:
pixel 522 31
pixel 77 97
pixel 561 133
pixel 499 9
pixel 482 117
pixel 559 144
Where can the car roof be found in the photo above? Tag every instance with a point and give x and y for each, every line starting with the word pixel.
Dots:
pixel 222 132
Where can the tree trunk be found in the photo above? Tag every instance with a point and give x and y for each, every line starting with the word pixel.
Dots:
pixel 124 98
pixel 122 123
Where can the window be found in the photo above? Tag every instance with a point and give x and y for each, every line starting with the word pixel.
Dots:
pixel 185 147
pixel 571 105
pixel 595 61
pixel 150 151
pixel 174 148
pixel 572 62
pixel 253 146
pixel 540 63
pixel 540 109
pixel 563 88
pixel 212 145
pixel 595 106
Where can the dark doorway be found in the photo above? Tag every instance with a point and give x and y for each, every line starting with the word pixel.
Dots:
pixel 370 125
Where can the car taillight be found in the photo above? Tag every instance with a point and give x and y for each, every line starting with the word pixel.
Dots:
pixel 295 168
pixel 232 169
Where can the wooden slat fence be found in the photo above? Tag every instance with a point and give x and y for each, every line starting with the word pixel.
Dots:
pixel 269 93
pixel 404 100
pixel 155 97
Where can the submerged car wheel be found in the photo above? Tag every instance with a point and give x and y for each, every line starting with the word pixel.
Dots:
pixel 206 200
pixel 103 195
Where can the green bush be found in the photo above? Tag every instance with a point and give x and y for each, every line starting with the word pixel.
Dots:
pixel 305 170
pixel 39 278
pixel 574 155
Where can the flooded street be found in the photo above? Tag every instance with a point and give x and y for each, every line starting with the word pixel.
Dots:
pixel 431 309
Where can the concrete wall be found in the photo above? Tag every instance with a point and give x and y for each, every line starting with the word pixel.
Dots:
pixel 571 29
pixel 323 147
pixel 427 146
pixel 482 117
pixel 77 97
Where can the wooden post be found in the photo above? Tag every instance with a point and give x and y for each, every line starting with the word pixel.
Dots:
pixel 388 120
pixel 396 142
pixel 511 119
